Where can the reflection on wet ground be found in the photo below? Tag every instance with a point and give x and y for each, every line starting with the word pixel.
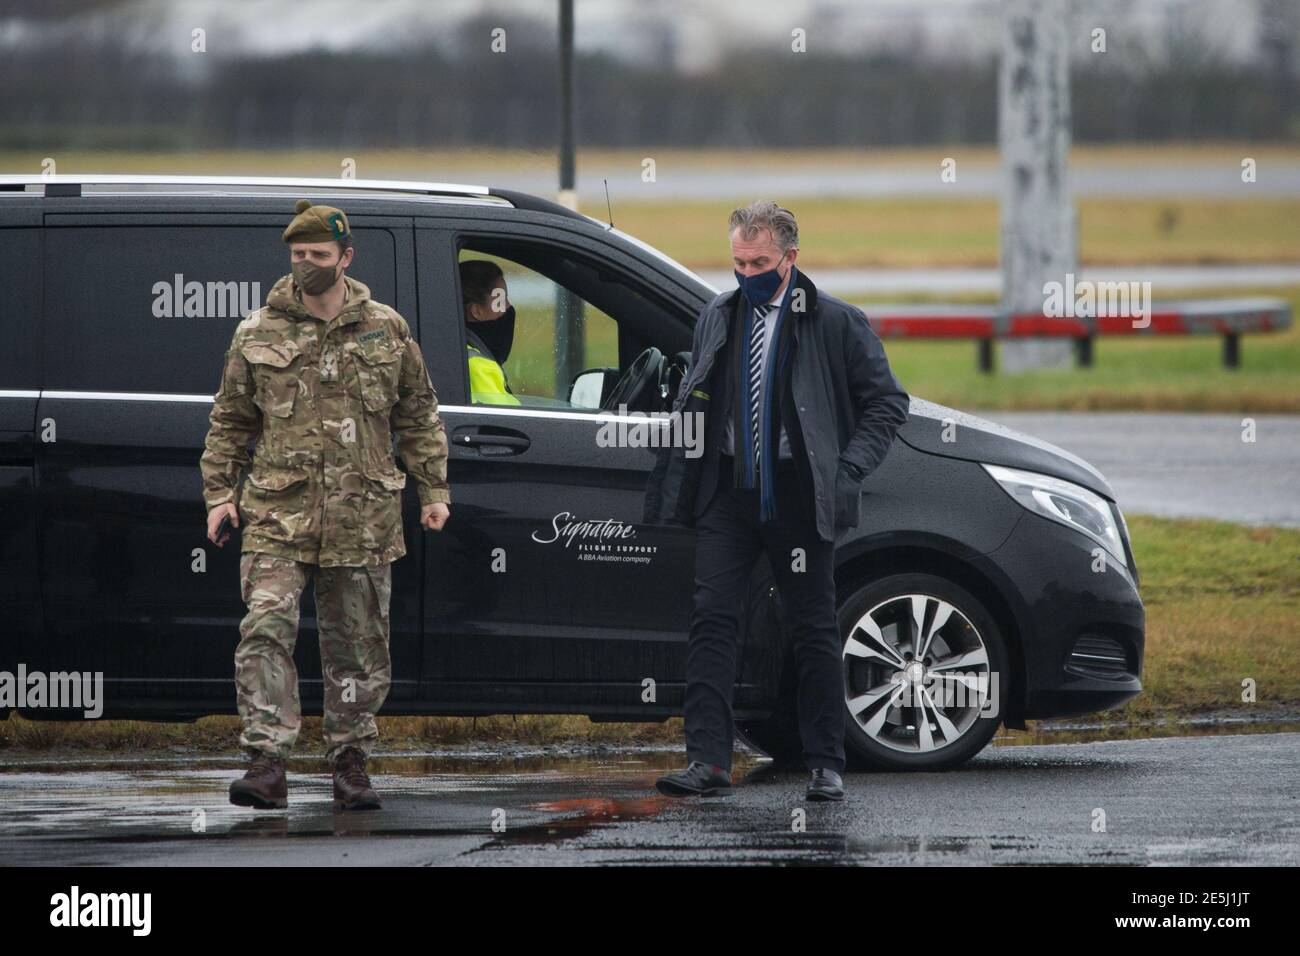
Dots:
pixel 151 803
pixel 1163 799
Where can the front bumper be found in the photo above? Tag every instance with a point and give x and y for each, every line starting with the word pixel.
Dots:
pixel 1081 629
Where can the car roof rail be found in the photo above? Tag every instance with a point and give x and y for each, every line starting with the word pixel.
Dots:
pixel 528 201
pixel 71 184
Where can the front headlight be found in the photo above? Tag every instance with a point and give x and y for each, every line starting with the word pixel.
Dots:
pixel 1063 501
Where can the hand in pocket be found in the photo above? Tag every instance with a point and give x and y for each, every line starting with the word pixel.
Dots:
pixel 848 497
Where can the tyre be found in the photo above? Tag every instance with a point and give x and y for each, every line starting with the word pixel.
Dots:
pixel 925 678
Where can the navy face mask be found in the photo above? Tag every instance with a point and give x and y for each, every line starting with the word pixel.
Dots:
pixel 760 287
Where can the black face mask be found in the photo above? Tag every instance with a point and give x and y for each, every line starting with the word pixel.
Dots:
pixel 497 334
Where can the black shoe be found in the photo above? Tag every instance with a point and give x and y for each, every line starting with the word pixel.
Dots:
pixel 698 780
pixel 825 785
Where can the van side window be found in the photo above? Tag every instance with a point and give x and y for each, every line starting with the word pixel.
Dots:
pixel 20 314
pixel 153 308
pixel 535 315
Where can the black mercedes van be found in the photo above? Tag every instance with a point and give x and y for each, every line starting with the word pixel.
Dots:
pixel 985 562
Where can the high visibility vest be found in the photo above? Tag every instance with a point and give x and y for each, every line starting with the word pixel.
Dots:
pixel 487 380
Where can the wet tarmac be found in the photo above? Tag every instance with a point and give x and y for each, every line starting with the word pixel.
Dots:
pixel 1214 799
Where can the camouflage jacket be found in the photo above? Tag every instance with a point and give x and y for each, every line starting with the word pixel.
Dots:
pixel 324 399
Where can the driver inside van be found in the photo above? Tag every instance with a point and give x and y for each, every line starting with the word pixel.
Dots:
pixel 489 331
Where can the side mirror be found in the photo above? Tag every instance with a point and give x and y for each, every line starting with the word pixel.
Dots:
pixel 592 386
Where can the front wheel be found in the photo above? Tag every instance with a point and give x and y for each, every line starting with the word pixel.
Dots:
pixel 925 678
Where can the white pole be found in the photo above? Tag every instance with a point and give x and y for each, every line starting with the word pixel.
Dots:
pixel 1038 220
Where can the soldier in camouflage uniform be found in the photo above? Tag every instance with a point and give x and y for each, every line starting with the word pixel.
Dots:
pixel 322 377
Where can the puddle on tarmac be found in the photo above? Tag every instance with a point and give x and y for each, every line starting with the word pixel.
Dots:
pixel 76 805
pixel 162 798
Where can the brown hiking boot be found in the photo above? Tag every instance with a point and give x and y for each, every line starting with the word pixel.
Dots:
pixel 351 785
pixel 264 785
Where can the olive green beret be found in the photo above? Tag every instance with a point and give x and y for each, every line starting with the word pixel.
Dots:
pixel 316 223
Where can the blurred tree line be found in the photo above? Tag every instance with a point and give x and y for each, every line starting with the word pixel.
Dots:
pixel 110 88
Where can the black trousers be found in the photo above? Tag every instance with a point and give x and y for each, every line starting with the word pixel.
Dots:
pixel 729 539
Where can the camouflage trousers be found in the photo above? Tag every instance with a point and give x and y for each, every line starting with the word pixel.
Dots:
pixel 352 619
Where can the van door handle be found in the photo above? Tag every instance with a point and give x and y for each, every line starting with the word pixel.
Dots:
pixel 492 440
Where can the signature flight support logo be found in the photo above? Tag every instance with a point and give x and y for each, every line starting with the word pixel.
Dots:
pixel 606 539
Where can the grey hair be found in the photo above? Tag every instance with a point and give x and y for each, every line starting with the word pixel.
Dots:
pixel 764 214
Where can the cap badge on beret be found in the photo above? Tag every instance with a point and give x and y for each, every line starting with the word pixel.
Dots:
pixel 316 223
